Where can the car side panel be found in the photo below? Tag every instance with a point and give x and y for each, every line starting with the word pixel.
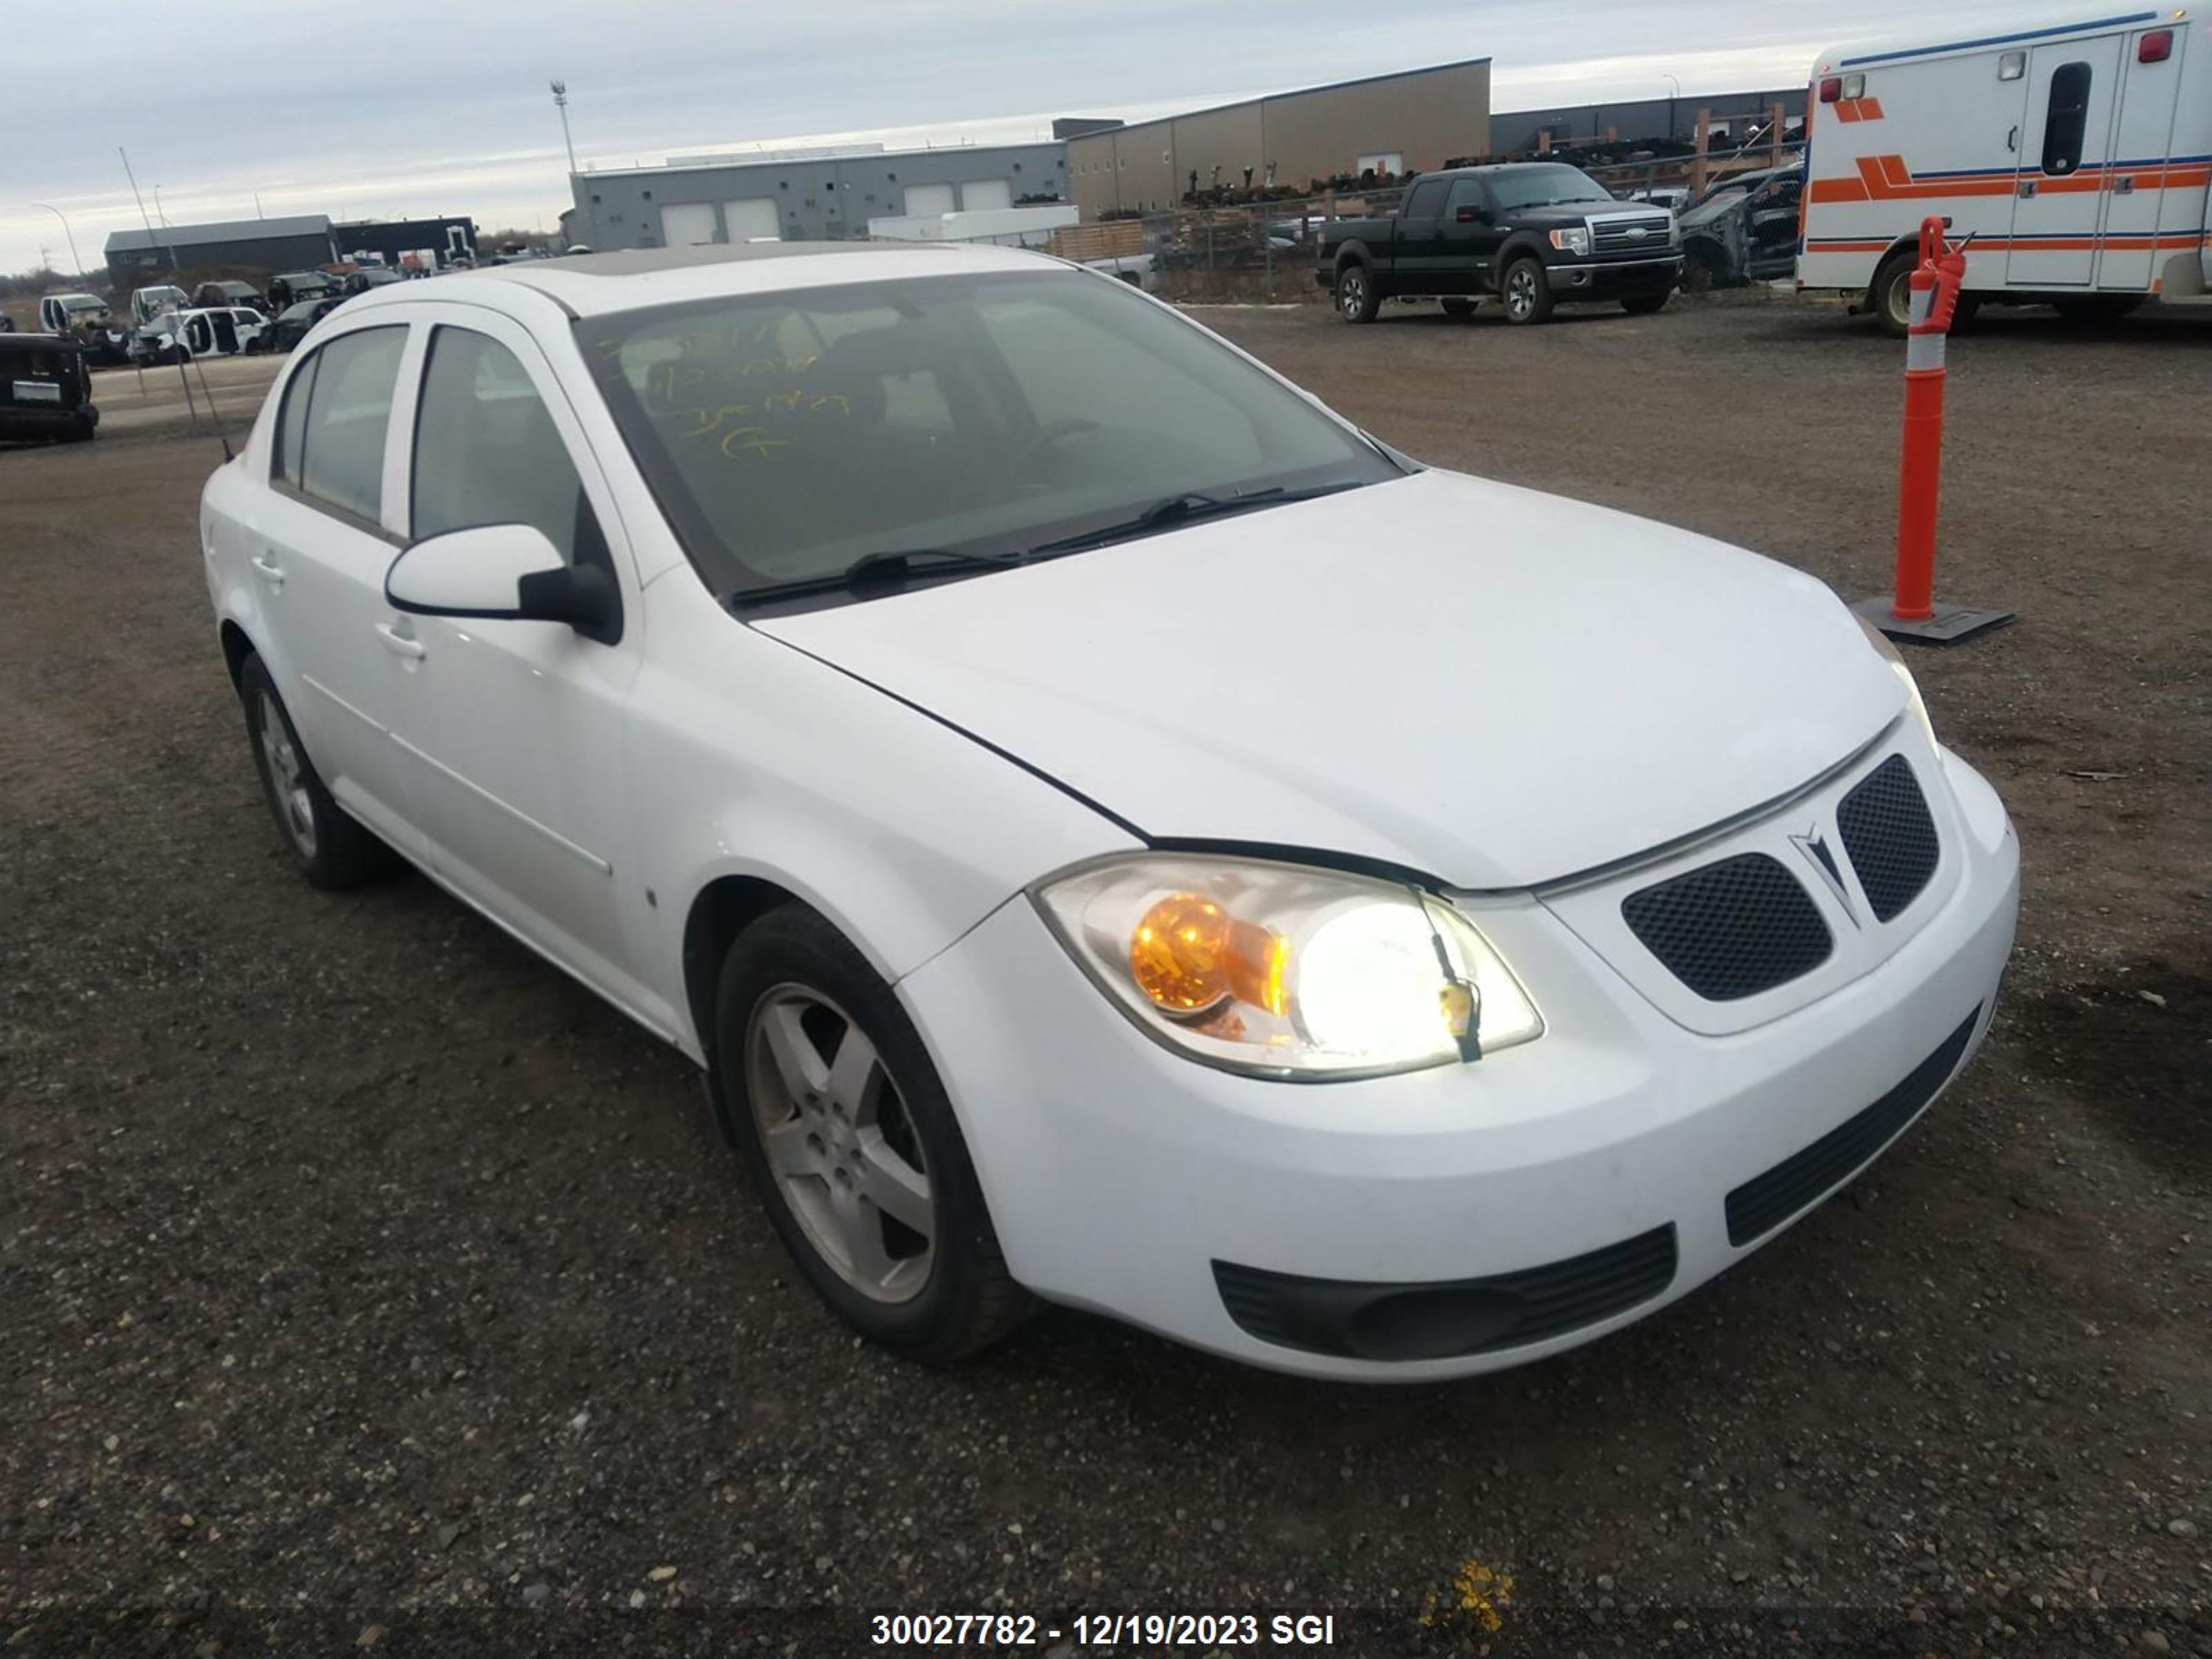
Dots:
pixel 749 758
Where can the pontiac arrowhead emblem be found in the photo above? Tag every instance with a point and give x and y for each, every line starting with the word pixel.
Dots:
pixel 1814 845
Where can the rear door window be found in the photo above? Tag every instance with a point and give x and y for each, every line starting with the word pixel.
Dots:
pixel 341 447
pixel 1428 196
pixel 292 423
pixel 2065 123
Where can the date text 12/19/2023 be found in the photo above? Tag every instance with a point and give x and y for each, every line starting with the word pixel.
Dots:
pixel 1203 1631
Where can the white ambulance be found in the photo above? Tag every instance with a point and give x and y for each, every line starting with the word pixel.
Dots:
pixel 2078 156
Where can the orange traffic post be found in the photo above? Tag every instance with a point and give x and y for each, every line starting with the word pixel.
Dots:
pixel 1911 613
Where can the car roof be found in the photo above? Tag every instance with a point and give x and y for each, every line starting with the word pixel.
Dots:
pixel 590 284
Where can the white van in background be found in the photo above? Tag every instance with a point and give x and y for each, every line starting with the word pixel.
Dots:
pixel 2078 158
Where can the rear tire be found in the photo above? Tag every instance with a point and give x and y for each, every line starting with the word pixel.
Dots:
pixel 1643 305
pixel 855 1152
pixel 1889 296
pixel 1356 301
pixel 1459 310
pixel 1525 290
pixel 332 850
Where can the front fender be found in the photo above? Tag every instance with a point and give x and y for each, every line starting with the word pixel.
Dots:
pixel 749 758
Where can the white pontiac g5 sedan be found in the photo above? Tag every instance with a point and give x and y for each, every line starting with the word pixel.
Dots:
pixel 1109 831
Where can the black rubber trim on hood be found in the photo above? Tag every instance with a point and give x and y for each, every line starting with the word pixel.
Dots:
pixel 1008 755
pixel 1312 857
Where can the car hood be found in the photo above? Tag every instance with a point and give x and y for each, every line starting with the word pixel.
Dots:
pixel 1491 686
pixel 1574 213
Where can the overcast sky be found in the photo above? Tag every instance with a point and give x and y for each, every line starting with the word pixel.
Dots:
pixel 392 108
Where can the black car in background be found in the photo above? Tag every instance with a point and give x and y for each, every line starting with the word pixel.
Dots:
pixel 46 390
pixel 294 321
pixel 1534 233
pixel 1742 229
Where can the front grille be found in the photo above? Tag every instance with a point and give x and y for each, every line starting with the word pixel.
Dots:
pixel 1890 837
pixel 1765 1201
pixel 1731 929
pixel 1446 1319
pixel 1619 235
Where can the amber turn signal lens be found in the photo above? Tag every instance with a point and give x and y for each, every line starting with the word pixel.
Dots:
pixel 1188 955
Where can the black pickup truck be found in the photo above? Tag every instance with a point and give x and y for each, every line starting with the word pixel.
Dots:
pixel 1536 234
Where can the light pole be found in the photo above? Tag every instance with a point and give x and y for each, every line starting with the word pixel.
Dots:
pixel 561 103
pixel 75 258
pixel 1672 100
pixel 160 212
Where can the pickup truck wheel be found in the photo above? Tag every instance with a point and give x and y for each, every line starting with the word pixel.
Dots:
pixel 1526 290
pixel 1356 301
pixel 847 1135
pixel 1459 309
pixel 332 850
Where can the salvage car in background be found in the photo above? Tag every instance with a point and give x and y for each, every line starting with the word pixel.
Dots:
pixel 1742 230
pixel 1507 942
pixel 230 292
pixel 227 331
pixel 293 322
pixel 294 287
pixel 46 389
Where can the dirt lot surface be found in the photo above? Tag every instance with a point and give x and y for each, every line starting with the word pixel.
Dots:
pixel 356 1265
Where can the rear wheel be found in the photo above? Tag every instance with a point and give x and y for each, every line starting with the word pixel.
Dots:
pixel 1356 301
pixel 332 850
pixel 850 1140
pixel 1527 292
pixel 1889 296
pixel 1459 309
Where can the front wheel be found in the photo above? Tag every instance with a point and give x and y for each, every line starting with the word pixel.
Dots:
pixel 1356 301
pixel 1643 305
pixel 850 1140
pixel 1527 292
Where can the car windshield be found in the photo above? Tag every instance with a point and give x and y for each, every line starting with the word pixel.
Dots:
pixel 790 436
pixel 1545 186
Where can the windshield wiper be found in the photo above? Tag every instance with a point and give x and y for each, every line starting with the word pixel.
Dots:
pixel 1182 509
pixel 876 569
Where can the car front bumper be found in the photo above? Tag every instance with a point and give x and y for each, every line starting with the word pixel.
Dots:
pixel 1616 280
pixel 1544 1195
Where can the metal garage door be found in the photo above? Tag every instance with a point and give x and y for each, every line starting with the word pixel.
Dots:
pixel 752 219
pixel 927 201
pixel 986 193
pixel 687 224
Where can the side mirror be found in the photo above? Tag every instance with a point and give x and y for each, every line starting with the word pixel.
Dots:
pixel 503 573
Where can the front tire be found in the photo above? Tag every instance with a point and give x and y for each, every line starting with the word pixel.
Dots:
pixel 1526 291
pixel 1356 301
pixel 332 850
pixel 851 1142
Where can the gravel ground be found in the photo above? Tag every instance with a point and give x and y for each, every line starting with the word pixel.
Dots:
pixel 362 1272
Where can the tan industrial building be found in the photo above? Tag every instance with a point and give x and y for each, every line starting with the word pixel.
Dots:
pixel 1417 118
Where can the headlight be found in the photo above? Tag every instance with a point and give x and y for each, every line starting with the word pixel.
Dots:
pixel 1575 241
pixel 1286 971
pixel 1887 646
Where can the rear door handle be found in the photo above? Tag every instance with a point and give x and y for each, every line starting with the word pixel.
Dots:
pixel 397 642
pixel 268 569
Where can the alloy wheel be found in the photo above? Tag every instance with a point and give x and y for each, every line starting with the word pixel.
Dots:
pixel 1352 292
pixel 839 1143
pixel 1521 293
pixel 288 776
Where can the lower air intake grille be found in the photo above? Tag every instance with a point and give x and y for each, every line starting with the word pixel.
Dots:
pixel 1765 1202
pixel 1891 838
pixel 1449 1318
pixel 1731 929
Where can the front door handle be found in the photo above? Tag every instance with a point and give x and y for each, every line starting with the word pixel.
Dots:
pixel 268 569
pixel 398 643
